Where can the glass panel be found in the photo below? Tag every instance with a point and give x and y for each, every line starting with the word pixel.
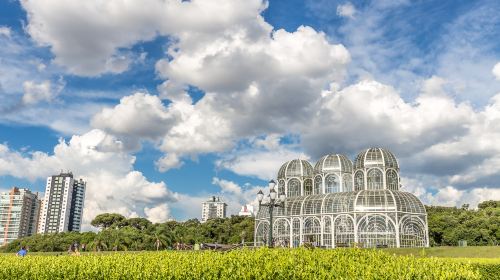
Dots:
pixel 344 231
pixel 327 232
pixel 412 232
pixel 318 184
pixel 311 233
pixel 308 187
pixel 332 184
pixel 376 231
pixel 375 179
pixel 281 233
pixel 296 233
pixel 293 188
pixel 392 180
pixel 359 181
pixel 347 183
pixel 262 234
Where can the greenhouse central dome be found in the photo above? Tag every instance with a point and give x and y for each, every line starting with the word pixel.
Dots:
pixel 341 204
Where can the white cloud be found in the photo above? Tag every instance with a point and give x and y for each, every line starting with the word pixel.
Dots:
pixel 37 92
pixel 496 71
pixel 450 196
pixel 262 159
pixel 112 183
pixel 5 31
pixel 236 61
pixel 346 10
pixel 140 115
pixel 235 195
pixel 158 214
pixel 227 186
pixel 370 113
pixel 88 37
pixel 173 92
pixel 168 161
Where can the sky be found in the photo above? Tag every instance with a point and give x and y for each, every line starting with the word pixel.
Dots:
pixel 159 104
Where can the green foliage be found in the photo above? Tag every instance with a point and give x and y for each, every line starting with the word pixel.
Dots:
pixel 239 264
pixel 449 252
pixel 448 225
pixel 137 234
pixel 57 242
pixel 489 204
pixel 487 268
pixel 107 220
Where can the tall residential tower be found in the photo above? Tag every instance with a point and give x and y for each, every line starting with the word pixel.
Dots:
pixel 19 212
pixel 63 204
pixel 213 208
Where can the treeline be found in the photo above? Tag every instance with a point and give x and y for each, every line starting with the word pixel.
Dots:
pixel 449 225
pixel 120 234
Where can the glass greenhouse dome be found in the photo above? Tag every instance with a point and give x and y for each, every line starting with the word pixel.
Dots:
pixel 332 211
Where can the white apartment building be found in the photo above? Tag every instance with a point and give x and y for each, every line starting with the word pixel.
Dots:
pixel 19 211
pixel 63 204
pixel 213 208
pixel 246 210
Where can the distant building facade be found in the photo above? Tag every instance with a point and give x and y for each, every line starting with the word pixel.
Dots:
pixel 19 212
pixel 213 208
pixel 63 204
pixel 246 210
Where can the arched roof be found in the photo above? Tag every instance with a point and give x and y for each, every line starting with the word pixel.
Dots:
pixel 295 168
pixel 333 162
pixel 376 157
pixel 345 202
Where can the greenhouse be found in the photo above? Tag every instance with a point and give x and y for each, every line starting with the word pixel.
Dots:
pixel 338 204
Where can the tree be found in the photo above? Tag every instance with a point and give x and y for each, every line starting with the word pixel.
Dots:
pixel 107 220
pixel 138 223
pixel 98 243
pixel 489 204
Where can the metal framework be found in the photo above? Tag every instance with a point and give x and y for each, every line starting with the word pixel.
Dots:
pixel 340 204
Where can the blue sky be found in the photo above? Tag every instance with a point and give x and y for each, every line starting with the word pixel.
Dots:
pixel 161 104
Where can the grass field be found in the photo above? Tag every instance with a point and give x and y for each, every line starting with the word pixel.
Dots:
pixel 449 252
pixel 394 263
pixel 262 263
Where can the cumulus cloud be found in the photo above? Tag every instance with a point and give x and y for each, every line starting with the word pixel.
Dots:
pixel 168 162
pixel 5 31
pixel 140 115
pixel 227 186
pixel 261 159
pixel 88 38
pixel 158 214
pixel 275 83
pixel 450 196
pixel 370 113
pixel 346 10
pixel 235 195
pixel 37 92
pixel 112 183
pixel 496 71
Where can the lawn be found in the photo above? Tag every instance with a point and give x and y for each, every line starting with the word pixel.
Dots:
pixel 272 264
pixel 449 252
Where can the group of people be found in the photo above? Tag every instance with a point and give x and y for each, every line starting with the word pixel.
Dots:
pixel 74 249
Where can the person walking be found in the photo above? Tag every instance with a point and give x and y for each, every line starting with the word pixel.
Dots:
pixel 22 253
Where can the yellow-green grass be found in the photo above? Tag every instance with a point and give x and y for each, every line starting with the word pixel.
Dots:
pixel 241 264
pixel 449 252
